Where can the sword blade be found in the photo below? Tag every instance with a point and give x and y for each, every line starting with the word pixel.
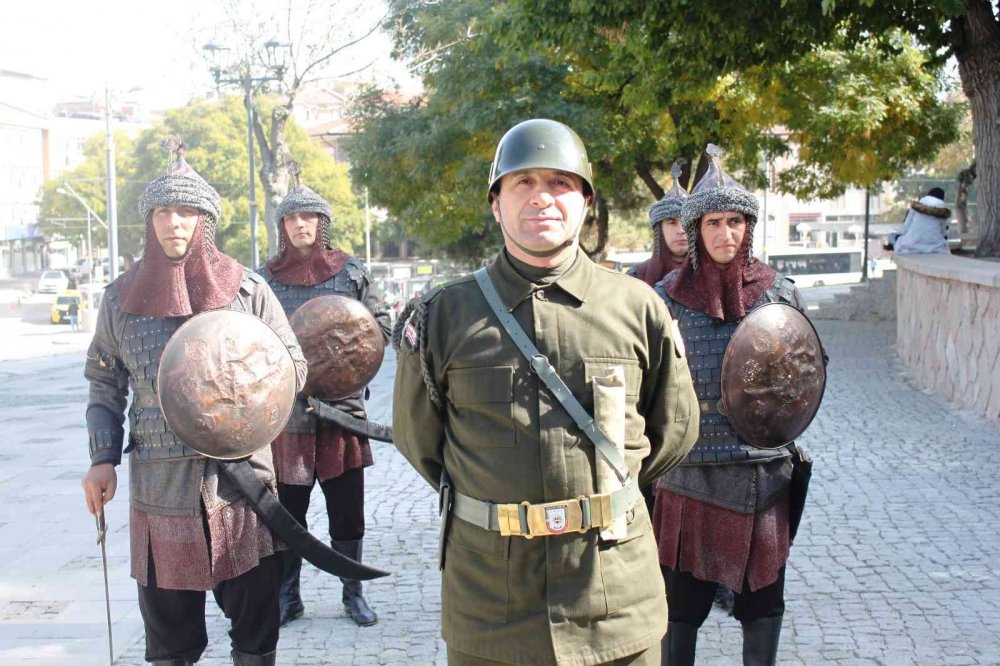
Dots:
pixel 102 533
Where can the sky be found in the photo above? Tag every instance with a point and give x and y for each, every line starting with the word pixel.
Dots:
pixel 81 46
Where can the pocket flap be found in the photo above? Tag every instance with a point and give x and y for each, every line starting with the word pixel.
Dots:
pixel 478 385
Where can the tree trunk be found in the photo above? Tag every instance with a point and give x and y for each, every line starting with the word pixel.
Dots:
pixel 600 218
pixel 274 175
pixel 978 55
pixel 963 182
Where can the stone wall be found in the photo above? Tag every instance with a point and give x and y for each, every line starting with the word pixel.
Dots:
pixel 948 327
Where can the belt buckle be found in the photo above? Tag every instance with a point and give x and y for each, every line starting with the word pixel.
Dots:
pixel 554 518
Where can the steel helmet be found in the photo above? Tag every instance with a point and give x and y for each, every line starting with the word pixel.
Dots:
pixel 540 144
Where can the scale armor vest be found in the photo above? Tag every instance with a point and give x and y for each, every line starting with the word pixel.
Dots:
pixel 705 342
pixel 142 346
pixel 348 282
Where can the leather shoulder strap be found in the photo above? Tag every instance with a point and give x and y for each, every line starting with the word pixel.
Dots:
pixel 541 366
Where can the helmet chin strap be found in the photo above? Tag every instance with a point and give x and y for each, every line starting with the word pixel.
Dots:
pixel 542 254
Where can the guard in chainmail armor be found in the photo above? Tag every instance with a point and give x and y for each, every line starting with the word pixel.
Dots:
pixel 722 516
pixel 191 531
pixel 310 448
pixel 670 245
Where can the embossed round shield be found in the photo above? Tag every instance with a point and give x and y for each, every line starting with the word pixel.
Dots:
pixel 773 376
pixel 226 384
pixel 342 343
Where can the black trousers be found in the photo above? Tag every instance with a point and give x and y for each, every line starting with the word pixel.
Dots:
pixel 689 599
pixel 175 619
pixel 345 503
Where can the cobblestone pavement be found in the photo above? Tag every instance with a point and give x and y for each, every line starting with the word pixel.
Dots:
pixel 892 565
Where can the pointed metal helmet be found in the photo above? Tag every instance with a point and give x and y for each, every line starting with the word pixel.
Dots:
pixel 670 205
pixel 716 192
pixel 301 199
pixel 181 185
pixel 540 144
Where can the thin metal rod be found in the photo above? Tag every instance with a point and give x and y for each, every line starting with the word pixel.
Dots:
pixel 254 254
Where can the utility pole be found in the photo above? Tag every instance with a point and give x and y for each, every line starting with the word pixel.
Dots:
pixel 864 258
pixel 112 210
pixel 248 100
pixel 368 235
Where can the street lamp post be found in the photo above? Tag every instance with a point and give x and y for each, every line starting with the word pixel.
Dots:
pixel 68 190
pixel 274 71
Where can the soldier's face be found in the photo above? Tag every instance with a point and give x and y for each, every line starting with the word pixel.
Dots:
pixel 540 210
pixel 723 234
pixel 674 237
pixel 174 227
pixel 302 229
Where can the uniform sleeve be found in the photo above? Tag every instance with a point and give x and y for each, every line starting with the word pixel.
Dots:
pixel 668 401
pixel 268 308
pixel 108 390
pixel 418 427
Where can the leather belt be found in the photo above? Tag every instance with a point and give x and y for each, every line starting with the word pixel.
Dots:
pixel 527 520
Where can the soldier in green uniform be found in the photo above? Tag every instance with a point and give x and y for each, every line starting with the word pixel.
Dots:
pixel 544 560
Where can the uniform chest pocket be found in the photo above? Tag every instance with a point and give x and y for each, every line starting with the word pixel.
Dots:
pixel 482 405
pixel 598 367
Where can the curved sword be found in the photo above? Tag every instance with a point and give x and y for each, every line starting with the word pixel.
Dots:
pixel 283 524
pixel 369 429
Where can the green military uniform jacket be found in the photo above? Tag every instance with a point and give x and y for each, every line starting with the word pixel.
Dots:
pixel 567 599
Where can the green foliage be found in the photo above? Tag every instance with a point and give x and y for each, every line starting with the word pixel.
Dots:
pixel 644 82
pixel 88 179
pixel 215 136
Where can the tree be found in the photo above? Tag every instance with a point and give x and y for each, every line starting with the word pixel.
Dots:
pixel 321 38
pixel 628 77
pixel 214 136
pixel 969 30
pixel 88 179
pixel 683 39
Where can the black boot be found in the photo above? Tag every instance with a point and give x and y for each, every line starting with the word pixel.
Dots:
pixel 244 659
pixel 677 647
pixel 354 604
pixel 289 600
pixel 760 641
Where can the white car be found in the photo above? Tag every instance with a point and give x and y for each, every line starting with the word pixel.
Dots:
pixel 52 282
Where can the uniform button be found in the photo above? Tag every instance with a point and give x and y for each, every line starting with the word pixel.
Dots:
pixel 540 294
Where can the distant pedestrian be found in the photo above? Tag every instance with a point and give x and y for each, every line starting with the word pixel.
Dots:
pixel 924 229
pixel 73 311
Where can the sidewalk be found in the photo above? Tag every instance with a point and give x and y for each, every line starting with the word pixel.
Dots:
pixel 895 562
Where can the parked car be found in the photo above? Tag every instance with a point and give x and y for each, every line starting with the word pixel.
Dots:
pixel 52 282
pixel 60 309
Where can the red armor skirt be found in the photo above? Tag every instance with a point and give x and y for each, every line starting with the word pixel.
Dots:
pixel 301 457
pixel 716 544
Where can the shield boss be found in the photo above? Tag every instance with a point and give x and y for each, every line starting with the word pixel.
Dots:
pixel 342 343
pixel 773 376
pixel 226 384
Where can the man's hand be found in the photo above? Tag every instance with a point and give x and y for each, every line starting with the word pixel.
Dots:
pixel 99 485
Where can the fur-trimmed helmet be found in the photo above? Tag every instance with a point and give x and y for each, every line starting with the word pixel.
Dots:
pixel 670 205
pixel 717 192
pixel 540 144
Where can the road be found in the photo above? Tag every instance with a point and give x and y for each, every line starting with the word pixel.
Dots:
pixel 895 562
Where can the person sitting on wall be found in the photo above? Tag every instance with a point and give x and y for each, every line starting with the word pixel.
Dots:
pixel 924 229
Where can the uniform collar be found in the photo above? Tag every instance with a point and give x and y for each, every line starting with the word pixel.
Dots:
pixel 514 287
